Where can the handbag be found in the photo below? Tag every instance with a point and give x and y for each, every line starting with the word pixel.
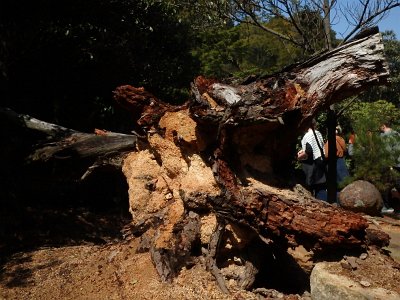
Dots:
pixel 314 170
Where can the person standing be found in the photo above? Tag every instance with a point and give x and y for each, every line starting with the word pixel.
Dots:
pixel 341 168
pixel 392 139
pixel 312 157
pixel 352 139
pixel 350 151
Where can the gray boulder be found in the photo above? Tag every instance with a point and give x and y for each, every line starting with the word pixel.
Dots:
pixel 326 285
pixel 361 196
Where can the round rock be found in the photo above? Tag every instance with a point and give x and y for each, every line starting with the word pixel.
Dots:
pixel 361 196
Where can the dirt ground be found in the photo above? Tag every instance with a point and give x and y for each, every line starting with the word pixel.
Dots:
pixel 114 270
pixel 379 270
pixel 111 271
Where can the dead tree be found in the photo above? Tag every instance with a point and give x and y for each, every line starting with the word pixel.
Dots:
pixel 225 156
pixel 228 150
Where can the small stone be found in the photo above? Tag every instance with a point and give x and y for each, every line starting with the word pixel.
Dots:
pixel 237 260
pixel 352 261
pixel 231 282
pixel 365 283
pixel 363 256
pixel 112 255
pixel 168 196
pixel 345 265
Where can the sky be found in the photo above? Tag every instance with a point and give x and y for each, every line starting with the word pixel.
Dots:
pixel 390 22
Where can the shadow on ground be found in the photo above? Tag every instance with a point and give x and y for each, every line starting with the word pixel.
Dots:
pixel 40 208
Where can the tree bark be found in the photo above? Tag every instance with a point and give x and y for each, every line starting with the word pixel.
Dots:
pixel 228 153
pixel 60 143
pixel 245 134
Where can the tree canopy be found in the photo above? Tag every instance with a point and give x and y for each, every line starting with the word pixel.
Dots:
pixel 373 155
pixel 243 50
pixel 310 19
pixel 60 61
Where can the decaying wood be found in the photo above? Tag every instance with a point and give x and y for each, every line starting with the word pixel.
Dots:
pixel 213 248
pixel 284 104
pixel 103 147
pixel 226 154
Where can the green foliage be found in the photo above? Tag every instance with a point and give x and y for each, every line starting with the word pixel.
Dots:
pixel 242 50
pixel 61 60
pixel 374 155
pixel 214 51
pixel 311 23
pixel 376 112
pixel 201 14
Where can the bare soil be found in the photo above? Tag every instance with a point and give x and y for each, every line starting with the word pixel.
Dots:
pixel 90 259
pixel 100 272
pixel 110 268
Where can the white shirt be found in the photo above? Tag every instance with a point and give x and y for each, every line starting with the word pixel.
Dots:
pixel 310 138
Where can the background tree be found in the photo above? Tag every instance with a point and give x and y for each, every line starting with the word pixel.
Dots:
pixel 374 156
pixel 358 15
pixel 309 24
pixel 311 21
pixel 243 50
pixel 61 61
pixel 390 93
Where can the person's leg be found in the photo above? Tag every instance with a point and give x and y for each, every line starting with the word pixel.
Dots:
pixel 341 170
pixel 320 192
pixel 395 196
pixel 387 208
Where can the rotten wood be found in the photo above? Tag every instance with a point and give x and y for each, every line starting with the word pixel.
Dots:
pixel 245 133
pixel 274 110
pixel 227 152
pixel 104 147
pixel 211 257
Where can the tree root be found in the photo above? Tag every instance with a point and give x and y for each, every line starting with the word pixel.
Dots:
pixel 211 259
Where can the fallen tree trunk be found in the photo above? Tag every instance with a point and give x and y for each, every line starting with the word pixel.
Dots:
pixel 100 148
pixel 228 151
pixel 224 158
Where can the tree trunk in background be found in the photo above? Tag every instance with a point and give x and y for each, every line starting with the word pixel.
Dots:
pixel 331 119
pixel 327 24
